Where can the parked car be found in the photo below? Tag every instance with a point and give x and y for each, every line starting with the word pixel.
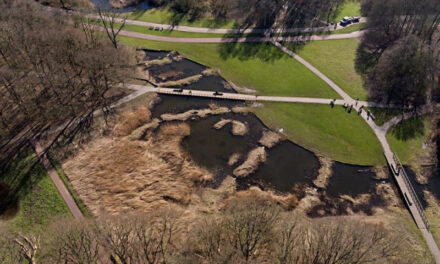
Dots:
pixel 345 21
pixel 355 19
pixel 178 90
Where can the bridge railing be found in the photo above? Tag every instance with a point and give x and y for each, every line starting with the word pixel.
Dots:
pixel 401 171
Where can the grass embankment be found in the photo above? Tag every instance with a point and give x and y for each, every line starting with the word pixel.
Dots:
pixel 38 199
pixel 261 67
pixel 407 137
pixel 350 29
pixel 326 131
pixel 335 58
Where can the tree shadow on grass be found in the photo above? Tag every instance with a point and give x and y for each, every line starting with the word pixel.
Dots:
pixel 17 180
pixel 249 46
pixel 409 129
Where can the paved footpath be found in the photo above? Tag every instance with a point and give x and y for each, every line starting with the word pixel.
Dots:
pixel 229 30
pixel 65 194
pixel 132 34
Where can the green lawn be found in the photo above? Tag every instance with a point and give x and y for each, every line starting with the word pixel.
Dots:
pixel 335 58
pixel 262 67
pixel 350 8
pixel 167 16
pixel 349 29
pixel 327 131
pixel 38 198
pixel 406 138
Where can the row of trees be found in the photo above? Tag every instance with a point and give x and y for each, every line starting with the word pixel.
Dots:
pixel 248 231
pixel 55 72
pixel 259 13
pixel 399 53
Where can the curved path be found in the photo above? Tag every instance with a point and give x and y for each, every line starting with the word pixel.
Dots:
pixel 226 30
pixel 125 33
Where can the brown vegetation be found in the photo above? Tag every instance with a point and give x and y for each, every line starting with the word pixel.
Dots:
pixel 182 82
pixel 238 128
pixel 254 158
pixel 116 175
pixel 195 113
pixel 270 138
pixel 233 159
pixel 324 173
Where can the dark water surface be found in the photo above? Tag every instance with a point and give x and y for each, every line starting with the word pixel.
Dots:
pixel 105 5
pixel 288 165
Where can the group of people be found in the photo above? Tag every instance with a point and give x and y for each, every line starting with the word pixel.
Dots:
pixel 348 108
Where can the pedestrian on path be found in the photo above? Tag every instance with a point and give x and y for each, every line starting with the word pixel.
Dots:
pixel 332 103
pixel 368 114
pixel 357 100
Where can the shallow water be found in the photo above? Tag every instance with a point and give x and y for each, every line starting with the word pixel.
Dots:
pixel 154 55
pixel 351 180
pixel 288 165
pixel 105 5
pixel 176 70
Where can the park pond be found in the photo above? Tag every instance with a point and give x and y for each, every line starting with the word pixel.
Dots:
pixel 105 5
pixel 284 167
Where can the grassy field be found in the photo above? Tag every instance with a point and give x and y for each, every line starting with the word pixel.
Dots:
pixel 350 8
pixel 166 16
pixel 350 29
pixel 38 198
pixel 330 132
pixel 406 138
pixel 256 66
pixel 335 58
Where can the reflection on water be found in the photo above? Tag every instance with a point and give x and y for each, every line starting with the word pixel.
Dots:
pixel 105 5
pixel 351 180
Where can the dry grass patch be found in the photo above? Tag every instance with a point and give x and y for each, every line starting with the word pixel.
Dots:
pixel 202 113
pixel 182 82
pixel 238 128
pixel 130 120
pixel 115 175
pixel 254 159
pixel 270 138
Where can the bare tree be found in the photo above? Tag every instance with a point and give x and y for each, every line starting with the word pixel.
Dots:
pixel 117 235
pixel 29 247
pixel 155 235
pixel 53 77
pixel 113 24
pixel 73 242
pixel 248 225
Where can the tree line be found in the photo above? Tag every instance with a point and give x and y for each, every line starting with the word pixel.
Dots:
pixel 399 54
pixel 246 231
pixel 55 72
pixel 258 13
